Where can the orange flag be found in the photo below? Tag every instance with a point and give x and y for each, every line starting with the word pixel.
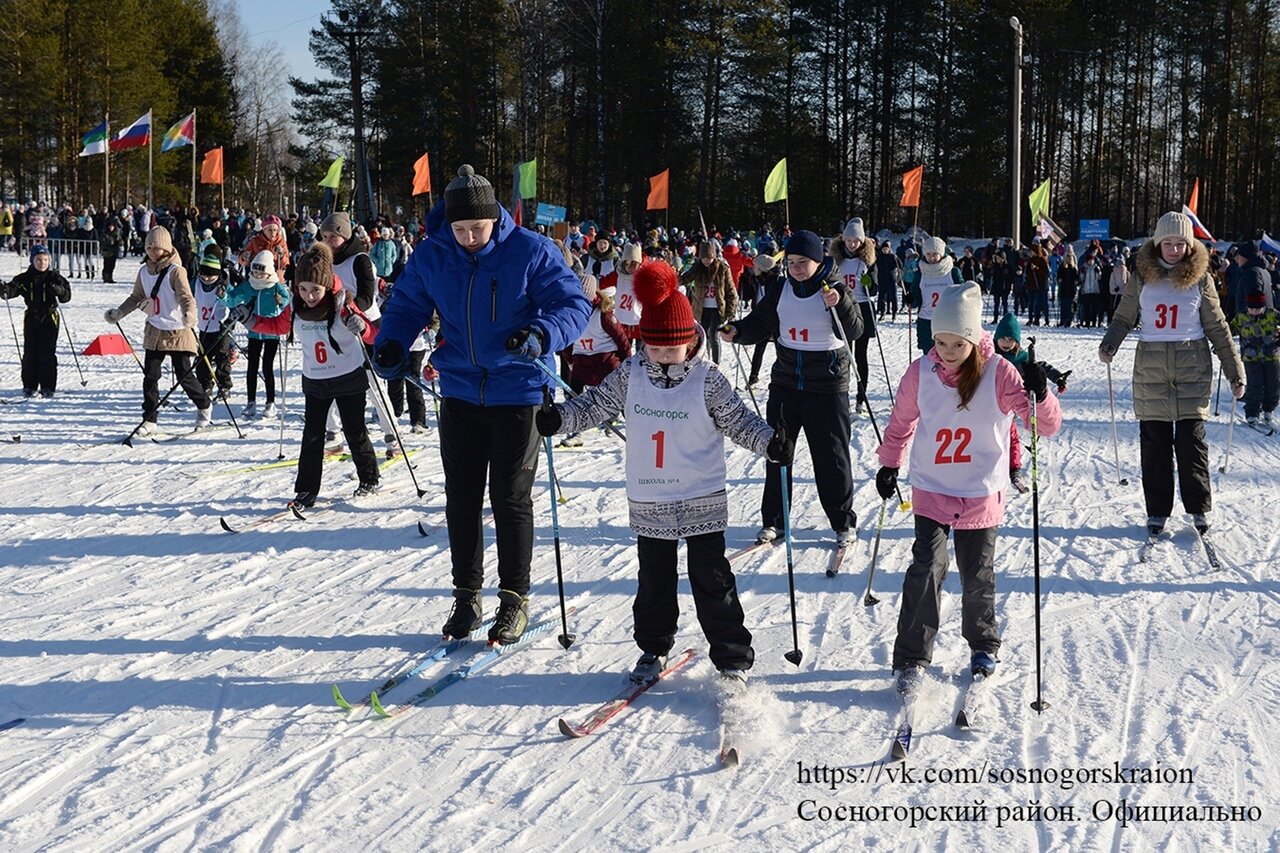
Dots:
pixel 658 187
pixel 911 187
pixel 1194 201
pixel 211 168
pixel 422 175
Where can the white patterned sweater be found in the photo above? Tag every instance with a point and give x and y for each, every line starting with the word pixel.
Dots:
pixel 694 516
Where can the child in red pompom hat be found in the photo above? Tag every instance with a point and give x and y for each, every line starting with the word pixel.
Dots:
pixel 679 408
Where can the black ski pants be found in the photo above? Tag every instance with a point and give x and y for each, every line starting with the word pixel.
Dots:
pixel 500 444
pixel 311 455
pixel 180 363
pixel 40 352
pixel 398 388
pixel 264 351
pixel 715 599
pixel 825 421
pixel 860 345
pixel 1262 391
pixel 215 347
pixel 1162 442
pixel 919 618
pixel 710 322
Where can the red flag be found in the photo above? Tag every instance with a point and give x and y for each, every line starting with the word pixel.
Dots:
pixel 422 175
pixel 1194 203
pixel 659 186
pixel 911 187
pixel 211 168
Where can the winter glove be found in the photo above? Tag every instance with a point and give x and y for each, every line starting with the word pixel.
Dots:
pixel 1062 382
pixel 728 332
pixel 241 313
pixel 390 360
pixel 781 449
pixel 1035 381
pixel 355 323
pixel 525 344
pixel 886 482
pixel 112 315
pixel 429 372
pixel 1104 355
pixel 1237 390
pixel 547 419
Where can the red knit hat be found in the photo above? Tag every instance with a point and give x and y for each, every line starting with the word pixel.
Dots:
pixel 667 319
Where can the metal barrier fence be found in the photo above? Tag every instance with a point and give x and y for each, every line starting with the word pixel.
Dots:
pixel 82 258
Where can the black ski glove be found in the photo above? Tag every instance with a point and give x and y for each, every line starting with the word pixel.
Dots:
pixel 886 482
pixel 781 449
pixel 1062 382
pixel 547 419
pixel 390 360
pixel 1035 381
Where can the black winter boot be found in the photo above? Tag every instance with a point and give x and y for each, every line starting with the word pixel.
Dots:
pixel 466 616
pixel 512 618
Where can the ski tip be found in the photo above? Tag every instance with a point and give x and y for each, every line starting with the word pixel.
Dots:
pixel 569 730
pixel 340 699
pixel 899 752
pixel 729 757
pixel 831 573
pixel 962 720
pixel 422 530
pixel 227 527
pixel 376 704
pixel 297 512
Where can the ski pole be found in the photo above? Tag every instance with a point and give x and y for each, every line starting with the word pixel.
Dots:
pixel 133 352
pixel 566 639
pixel 62 319
pixel 795 655
pixel 1217 394
pixel 1231 425
pixel 1040 704
pixel 870 600
pixel 1115 442
pixel 17 343
pixel 284 369
pixel 883 364
pixel 903 505
pixel 565 385
pixel 395 430
pixel 222 395
pixel 742 372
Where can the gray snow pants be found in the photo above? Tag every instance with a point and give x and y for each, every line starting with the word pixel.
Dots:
pixel 922 592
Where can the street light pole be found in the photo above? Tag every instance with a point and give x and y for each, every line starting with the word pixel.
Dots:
pixel 353 34
pixel 1015 145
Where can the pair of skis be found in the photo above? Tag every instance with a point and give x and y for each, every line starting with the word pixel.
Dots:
pixel 834 563
pixel 301 513
pixel 1148 548
pixel 973 709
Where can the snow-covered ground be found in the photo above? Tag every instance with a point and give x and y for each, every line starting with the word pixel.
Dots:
pixel 175 679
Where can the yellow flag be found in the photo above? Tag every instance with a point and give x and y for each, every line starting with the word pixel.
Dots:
pixel 1039 201
pixel 775 186
pixel 334 176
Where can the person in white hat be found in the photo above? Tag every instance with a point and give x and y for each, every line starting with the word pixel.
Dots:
pixel 954 408
pixel 937 272
pixel 1172 370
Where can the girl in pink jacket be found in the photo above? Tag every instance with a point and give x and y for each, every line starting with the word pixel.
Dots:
pixel 958 400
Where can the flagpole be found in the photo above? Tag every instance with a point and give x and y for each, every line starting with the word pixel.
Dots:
pixel 193 158
pixel 106 165
pixel 151 144
pixel 222 185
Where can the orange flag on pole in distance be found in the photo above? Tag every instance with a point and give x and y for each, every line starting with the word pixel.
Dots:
pixel 422 175
pixel 1194 202
pixel 659 185
pixel 911 187
pixel 211 168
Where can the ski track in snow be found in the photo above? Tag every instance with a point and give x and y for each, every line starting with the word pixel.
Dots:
pixel 175 678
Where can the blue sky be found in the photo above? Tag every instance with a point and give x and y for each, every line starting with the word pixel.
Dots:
pixel 287 23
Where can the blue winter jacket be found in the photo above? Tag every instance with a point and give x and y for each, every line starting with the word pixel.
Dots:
pixel 519 279
pixel 383 254
pixel 265 303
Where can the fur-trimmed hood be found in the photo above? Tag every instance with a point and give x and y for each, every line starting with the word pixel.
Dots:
pixel 866 252
pixel 1188 272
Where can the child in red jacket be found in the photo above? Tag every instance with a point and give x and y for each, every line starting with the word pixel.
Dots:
pixel 601 348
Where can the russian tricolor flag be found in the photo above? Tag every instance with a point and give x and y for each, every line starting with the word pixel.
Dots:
pixel 136 135
pixel 1196 225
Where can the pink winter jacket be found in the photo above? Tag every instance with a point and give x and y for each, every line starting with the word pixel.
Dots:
pixel 961 513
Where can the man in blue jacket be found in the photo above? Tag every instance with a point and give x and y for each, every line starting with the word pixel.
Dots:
pixel 505 298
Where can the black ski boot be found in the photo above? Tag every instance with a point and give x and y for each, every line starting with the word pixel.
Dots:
pixel 512 618
pixel 466 616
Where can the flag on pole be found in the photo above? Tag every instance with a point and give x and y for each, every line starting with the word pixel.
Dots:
pixel 95 141
pixel 182 133
pixel 1197 227
pixel 1193 203
pixel 334 176
pixel 1050 233
pixel 1039 201
pixel 422 175
pixel 1269 243
pixel 911 187
pixel 775 186
pixel 136 135
pixel 528 178
pixel 211 168
pixel 659 186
